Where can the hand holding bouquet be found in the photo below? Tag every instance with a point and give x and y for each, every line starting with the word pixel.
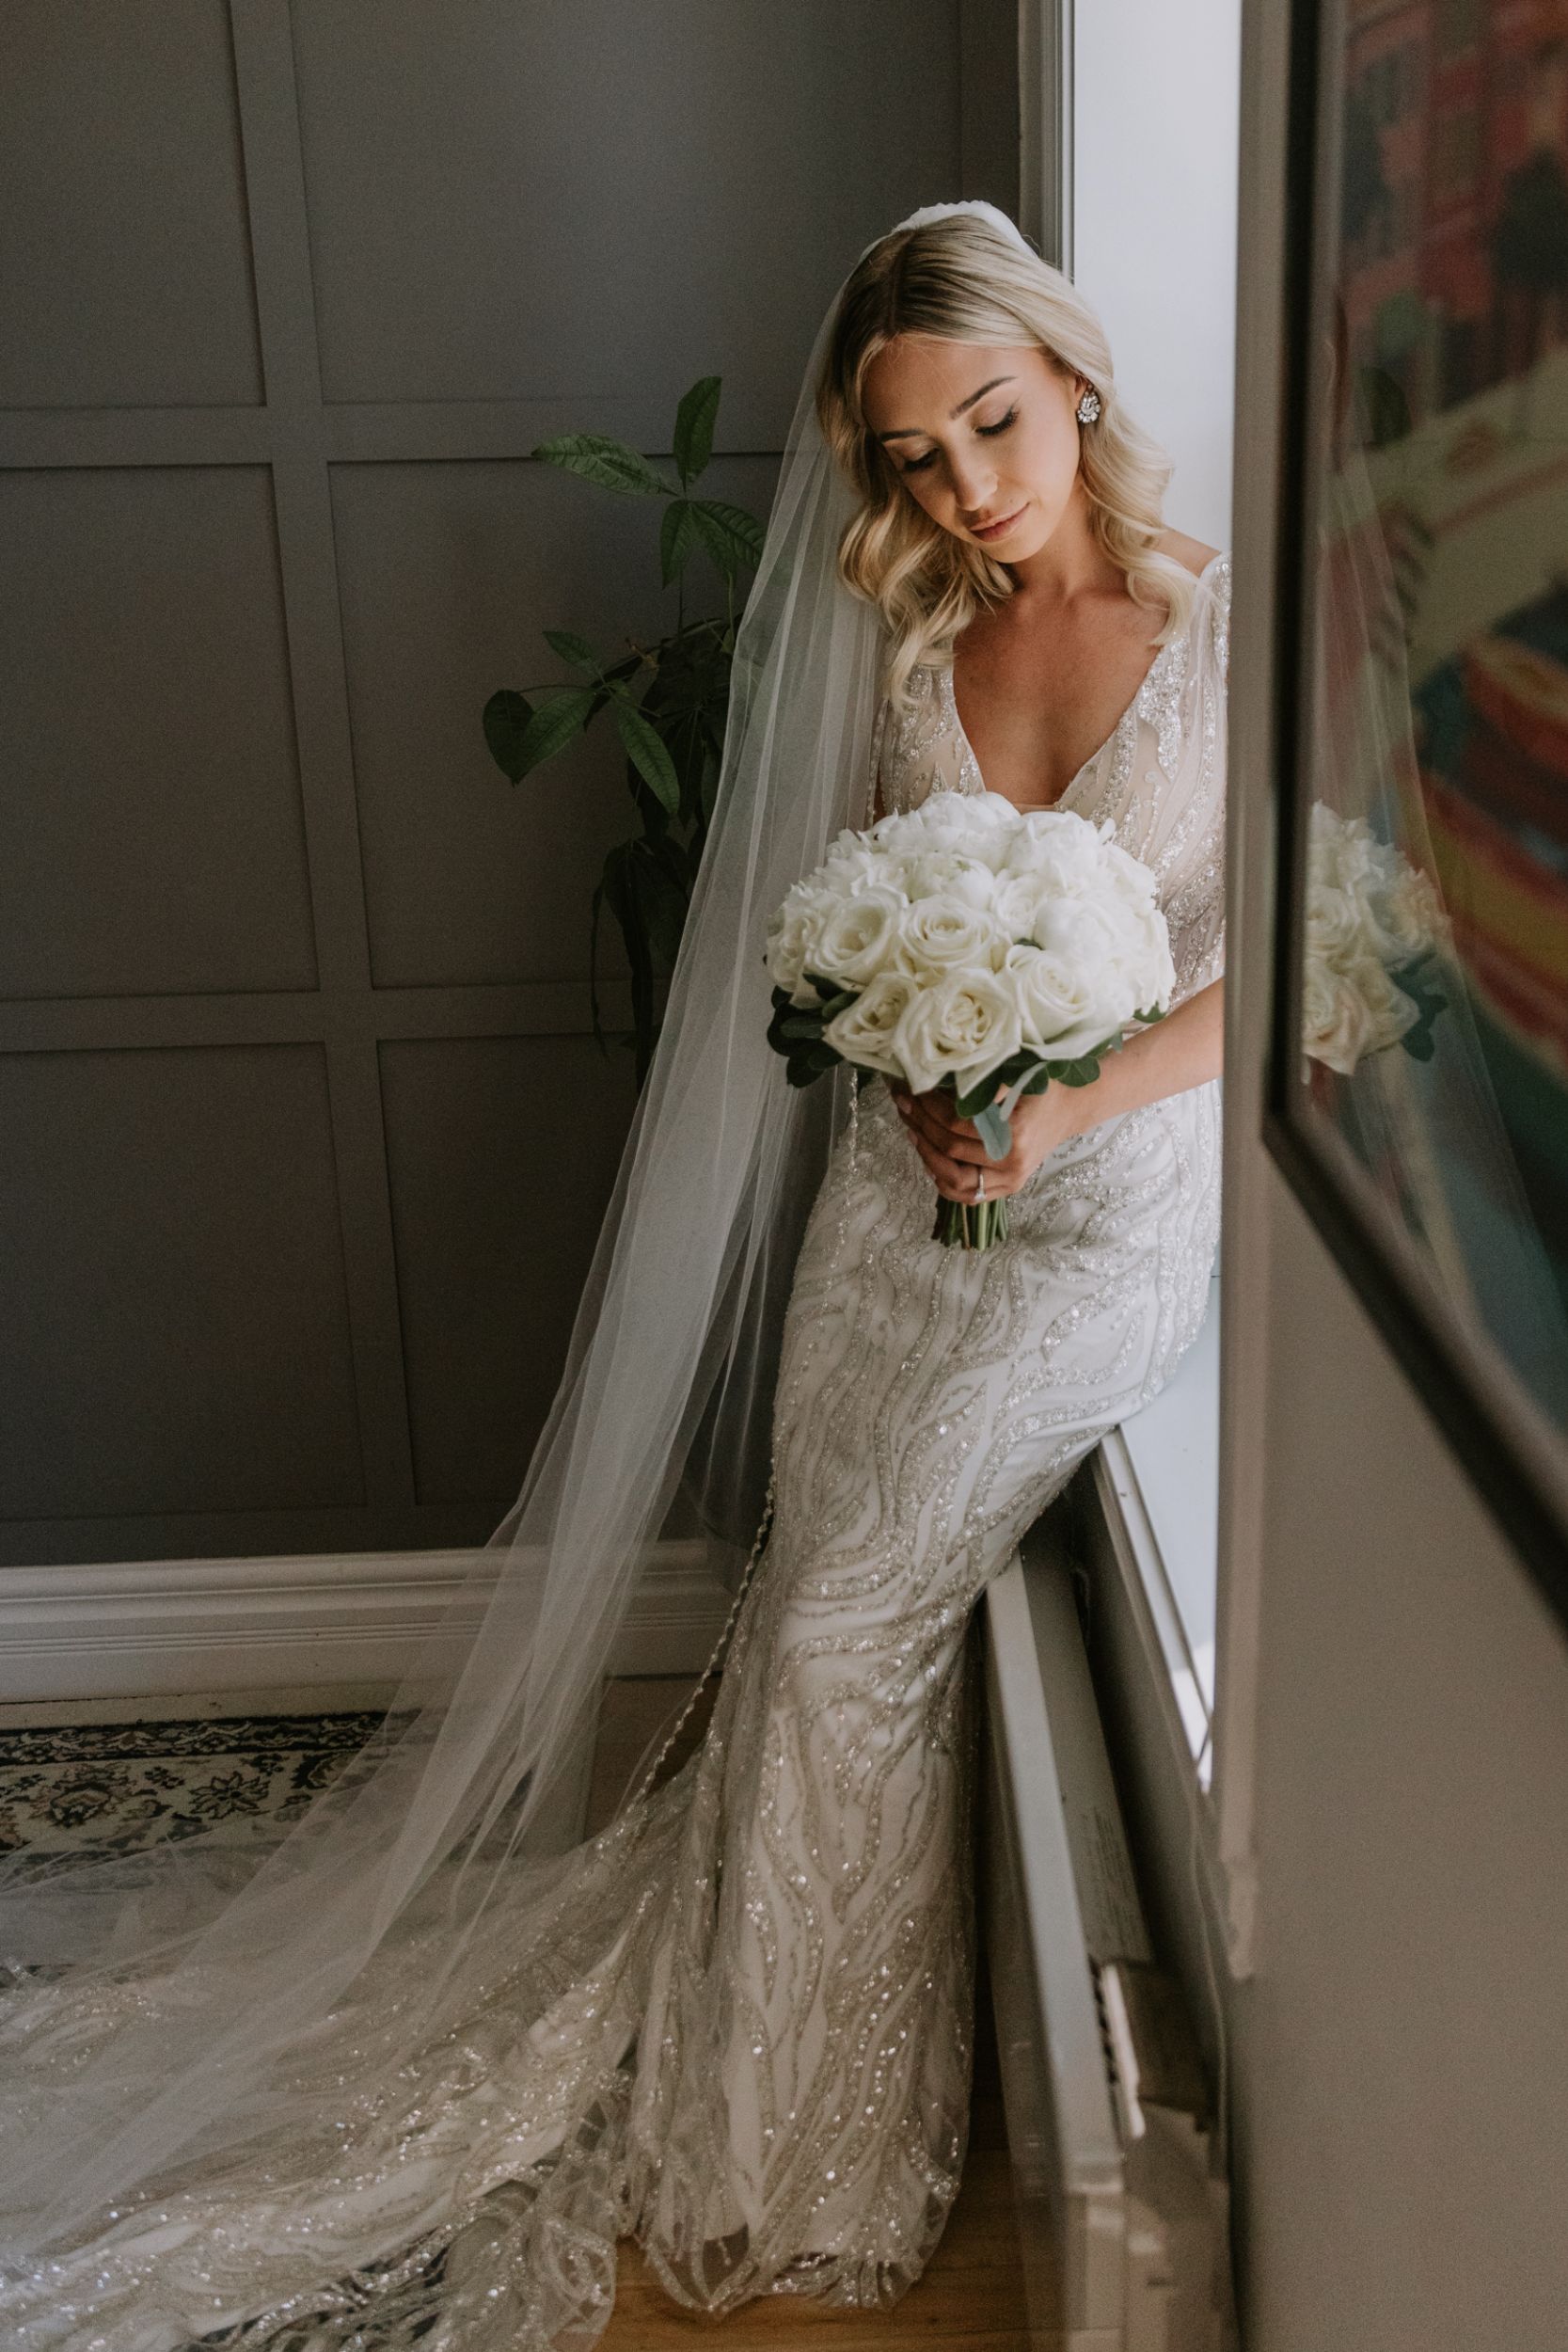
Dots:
pixel 973 946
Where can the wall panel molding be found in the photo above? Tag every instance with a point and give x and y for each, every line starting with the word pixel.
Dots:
pixel 339 649
pixel 299 1623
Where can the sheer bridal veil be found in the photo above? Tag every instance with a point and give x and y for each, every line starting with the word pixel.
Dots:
pixel 191 2003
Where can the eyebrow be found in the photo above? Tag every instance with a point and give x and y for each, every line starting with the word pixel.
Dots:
pixel 913 432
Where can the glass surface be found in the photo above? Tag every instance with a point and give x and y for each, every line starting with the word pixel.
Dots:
pixel 1429 870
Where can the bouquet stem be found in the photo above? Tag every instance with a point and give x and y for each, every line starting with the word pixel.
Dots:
pixel 970 1224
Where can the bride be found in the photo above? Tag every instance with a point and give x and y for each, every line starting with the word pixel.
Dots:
pixel 404 2077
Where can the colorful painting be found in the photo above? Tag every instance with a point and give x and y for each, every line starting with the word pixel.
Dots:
pixel 1428 929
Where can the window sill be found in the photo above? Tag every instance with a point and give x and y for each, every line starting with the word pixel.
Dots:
pixel 1157 1481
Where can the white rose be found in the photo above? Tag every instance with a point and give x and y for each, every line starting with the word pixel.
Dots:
pixel 863 1031
pixel 1060 1015
pixel 1350 1010
pixel 961 1026
pixel 856 937
pixel 1336 918
pixel 1414 914
pixel 792 937
pixel 939 934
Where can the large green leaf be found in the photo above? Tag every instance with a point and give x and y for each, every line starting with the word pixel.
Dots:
pixel 646 752
pixel 694 420
pixel 730 536
pixel 506 722
pixel 677 537
pixel 522 735
pixel 572 650
pixel 610 463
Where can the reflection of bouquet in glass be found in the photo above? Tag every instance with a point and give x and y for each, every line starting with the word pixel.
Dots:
pixel 969 946
pixel 1373 919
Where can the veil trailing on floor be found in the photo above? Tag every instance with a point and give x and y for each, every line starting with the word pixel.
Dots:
pixel 183 2005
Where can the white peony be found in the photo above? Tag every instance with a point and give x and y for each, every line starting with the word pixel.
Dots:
pixel 1065 859
pixel 1106 939
pixel 851 862
pixel 942 873
pixel 959 1026
pixel 974 825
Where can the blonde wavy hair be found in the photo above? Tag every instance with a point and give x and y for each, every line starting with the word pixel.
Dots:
pixel 963 280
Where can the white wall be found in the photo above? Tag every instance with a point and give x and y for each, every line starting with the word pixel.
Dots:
pixel 1402 2051
pixel 1154 227
pixel 1392 1764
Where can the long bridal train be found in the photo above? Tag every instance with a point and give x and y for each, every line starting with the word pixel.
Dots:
pixel 740 2026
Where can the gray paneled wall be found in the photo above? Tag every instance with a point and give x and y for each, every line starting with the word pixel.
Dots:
pixel 292 984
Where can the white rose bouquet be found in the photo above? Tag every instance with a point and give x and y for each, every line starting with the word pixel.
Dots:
pixel 1373 919
pixel 970 945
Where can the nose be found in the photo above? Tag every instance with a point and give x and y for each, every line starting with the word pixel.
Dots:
pixel 973 487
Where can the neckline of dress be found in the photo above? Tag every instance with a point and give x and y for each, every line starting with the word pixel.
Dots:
pixel 1074 780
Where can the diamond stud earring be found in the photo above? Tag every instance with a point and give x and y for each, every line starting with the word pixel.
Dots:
pixel 1089 407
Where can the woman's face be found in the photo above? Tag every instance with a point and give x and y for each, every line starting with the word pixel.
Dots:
pixel 979 437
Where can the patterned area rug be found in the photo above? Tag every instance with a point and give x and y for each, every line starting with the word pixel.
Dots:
pixel 106 1789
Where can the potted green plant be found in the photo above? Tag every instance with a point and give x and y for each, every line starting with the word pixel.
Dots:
pixel 667 701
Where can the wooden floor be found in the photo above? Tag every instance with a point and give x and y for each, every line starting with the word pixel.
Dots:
pixel 971 2295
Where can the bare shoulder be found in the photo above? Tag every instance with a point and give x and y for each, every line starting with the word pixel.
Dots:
pixel 1187 550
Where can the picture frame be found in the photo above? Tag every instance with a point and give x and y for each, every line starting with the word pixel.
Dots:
pixel 1490 1378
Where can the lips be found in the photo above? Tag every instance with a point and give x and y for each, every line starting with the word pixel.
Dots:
pixel 995 529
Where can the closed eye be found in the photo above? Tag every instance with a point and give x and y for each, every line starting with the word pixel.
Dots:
pixel 918 465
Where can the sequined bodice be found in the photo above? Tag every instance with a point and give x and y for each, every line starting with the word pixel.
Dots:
pixel 1159 776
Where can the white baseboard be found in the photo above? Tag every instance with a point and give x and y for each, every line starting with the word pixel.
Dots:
pixel 302 1624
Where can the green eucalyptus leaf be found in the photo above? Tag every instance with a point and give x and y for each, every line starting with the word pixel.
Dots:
pixel 644 748
pixel 597 457
pixel 694 421
pixel 1076 1073
pixel 993 1132
pixel 969 1106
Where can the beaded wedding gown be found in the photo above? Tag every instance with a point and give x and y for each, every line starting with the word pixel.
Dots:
pixel 744 2033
